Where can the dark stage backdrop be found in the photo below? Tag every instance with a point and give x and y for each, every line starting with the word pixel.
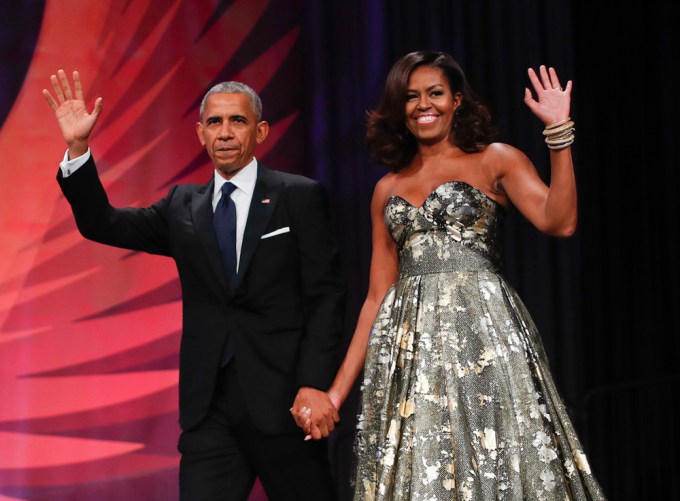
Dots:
pixel 89 335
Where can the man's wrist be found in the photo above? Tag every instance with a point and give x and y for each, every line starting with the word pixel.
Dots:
pixel 77 149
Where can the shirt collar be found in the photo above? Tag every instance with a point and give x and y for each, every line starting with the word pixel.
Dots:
pixel 244 180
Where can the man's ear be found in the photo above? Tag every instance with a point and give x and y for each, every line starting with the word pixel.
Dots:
pixel 199 132
pixel 262 131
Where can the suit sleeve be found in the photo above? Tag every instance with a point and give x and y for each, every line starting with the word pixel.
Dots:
pixel 142 229
pixel 323 291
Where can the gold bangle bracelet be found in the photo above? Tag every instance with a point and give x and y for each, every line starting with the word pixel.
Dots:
pixel 561 146
pixel 557 143
pixel 562 137
pixel 557 124
pixel 558 129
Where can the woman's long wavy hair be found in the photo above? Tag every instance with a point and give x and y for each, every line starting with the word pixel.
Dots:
pixel 389 141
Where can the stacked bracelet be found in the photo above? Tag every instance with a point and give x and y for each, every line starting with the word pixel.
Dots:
pixel 559 135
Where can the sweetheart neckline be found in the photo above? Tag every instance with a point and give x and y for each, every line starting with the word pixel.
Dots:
pixel 455 181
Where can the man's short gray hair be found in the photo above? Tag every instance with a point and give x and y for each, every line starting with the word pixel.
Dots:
pixel 234 88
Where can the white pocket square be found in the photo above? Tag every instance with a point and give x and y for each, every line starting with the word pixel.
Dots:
pixel 285 229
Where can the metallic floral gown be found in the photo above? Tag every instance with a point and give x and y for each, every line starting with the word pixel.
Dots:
pixel 457 399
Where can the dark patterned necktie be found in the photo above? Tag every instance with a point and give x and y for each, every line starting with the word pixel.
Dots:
pixel 224 221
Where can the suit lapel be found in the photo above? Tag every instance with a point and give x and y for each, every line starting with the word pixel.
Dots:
pixel 202 216
pixel 265 198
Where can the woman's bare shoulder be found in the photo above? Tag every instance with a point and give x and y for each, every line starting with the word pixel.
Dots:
pixel 501 158
pixel 502 151
pixel 385 185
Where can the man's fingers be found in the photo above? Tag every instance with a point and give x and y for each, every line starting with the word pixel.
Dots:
pixel 97 107
pixel 57 88
pixel 330 424
pixel 64 84
pixel 48 97
pixel 78 87
pixel 323 429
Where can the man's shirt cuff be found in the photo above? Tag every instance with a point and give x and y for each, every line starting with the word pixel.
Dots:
pixel 69 166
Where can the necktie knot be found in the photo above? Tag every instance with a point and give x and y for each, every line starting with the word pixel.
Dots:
pixel 227 189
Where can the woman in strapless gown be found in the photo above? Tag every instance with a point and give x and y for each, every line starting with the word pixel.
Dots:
pixel 457 400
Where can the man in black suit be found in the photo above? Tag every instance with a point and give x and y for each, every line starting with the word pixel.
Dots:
pixel 263 300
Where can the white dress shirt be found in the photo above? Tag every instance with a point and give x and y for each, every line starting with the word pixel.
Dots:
pixel 244 180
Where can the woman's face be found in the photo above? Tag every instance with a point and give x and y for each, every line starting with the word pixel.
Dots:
pixel 430 105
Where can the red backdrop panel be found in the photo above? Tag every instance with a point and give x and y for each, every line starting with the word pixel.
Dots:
pixel 89 334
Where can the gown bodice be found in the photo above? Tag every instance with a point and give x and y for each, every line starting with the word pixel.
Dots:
pixel 455 218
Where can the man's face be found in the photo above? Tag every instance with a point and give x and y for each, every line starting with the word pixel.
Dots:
pixel 229 130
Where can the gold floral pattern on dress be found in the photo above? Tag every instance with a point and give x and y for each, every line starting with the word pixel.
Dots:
pixel 457 398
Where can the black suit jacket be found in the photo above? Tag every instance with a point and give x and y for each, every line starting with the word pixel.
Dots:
pixel 285 315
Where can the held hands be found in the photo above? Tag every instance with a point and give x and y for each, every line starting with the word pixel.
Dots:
pixel 75 122
pixel 553 102
pixel 316 412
